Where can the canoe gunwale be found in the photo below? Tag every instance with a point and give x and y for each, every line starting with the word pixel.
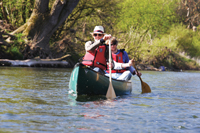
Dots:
pixel 103 74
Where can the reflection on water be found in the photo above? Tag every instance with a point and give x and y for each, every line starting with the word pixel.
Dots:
pixel 38 100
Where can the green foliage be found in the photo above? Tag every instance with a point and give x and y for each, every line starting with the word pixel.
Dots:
pixel 18 11
pixel 152 32
pixel 90 13
pixel 153 15
pixel 171 49
pixel 1 15
pixel 142 22
pixel 190 43
pixel 19 42
pixel 15 51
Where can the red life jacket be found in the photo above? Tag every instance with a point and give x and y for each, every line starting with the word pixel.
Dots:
pixel 97 58
pixel 117 58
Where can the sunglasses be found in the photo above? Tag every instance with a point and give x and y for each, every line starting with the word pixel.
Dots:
pixel 97 34
pixel 113 44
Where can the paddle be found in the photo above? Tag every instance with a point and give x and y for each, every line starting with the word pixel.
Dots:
pixel 110 93
pixel 145 86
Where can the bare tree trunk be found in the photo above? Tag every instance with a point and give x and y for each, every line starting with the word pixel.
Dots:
pixel 4 12
pixel 44 22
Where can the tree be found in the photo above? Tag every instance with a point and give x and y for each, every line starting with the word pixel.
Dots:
pixel 141 21
pixel 72 35
pixel 90 13
pixel 189 11
pixel 42 23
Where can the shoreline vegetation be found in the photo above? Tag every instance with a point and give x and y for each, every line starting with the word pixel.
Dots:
pixel 56 64
pixel 157 34
pixel 65 62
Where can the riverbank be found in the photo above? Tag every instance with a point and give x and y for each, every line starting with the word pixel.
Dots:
pixel 65 62
pixel 34 63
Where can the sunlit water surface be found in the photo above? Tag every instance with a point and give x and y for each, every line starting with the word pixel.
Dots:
pixel 38 100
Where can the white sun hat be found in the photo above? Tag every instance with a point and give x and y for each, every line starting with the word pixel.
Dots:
pixel 98 29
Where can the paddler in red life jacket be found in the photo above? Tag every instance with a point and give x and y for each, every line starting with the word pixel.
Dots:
pixel 120 56
pixel 97 52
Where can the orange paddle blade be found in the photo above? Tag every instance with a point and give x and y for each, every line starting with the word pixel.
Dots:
pixel 145 88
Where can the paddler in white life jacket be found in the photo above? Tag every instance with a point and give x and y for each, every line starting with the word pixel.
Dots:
pixel 97 52
pixel 121 56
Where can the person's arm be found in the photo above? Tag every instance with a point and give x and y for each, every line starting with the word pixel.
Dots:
pixel 124 65
pixel 116 65
pixel 89 46
pixel 119 66
pixel 132 70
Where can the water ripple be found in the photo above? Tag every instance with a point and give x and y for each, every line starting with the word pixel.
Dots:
pixel 38 100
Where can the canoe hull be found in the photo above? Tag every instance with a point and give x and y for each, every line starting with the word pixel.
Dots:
pixel 85 81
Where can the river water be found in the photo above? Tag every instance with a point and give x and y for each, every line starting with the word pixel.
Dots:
pixel 37 100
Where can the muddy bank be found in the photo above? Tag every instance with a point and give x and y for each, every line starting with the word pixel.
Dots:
pixel 34 63
pixel 63 62
pixel 58 64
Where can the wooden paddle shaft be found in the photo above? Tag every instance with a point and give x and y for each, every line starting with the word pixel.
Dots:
pixel 111 92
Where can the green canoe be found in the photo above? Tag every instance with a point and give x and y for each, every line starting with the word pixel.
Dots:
pixel 85 81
